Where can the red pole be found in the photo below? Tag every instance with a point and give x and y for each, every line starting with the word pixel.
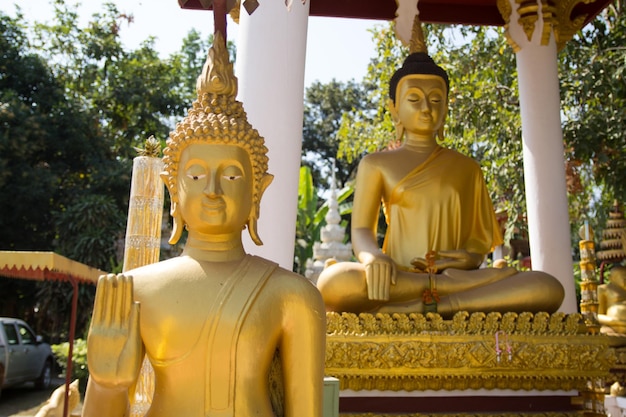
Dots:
pixel 219 17
pixel 70 353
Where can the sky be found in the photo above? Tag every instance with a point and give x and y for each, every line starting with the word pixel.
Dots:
pixel 344 42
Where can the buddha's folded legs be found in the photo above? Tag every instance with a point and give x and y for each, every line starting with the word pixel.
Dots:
pixel 343 288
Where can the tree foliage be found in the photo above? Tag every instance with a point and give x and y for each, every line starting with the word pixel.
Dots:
pixel 324 106
pixel 593 96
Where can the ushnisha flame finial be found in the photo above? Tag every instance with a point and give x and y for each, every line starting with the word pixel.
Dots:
pixel 418 44
pixel 217 74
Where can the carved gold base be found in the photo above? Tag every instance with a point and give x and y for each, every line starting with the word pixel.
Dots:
pixel 507 414
pixel 520 352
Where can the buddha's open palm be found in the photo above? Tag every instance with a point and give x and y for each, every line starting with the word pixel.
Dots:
pixel 114 344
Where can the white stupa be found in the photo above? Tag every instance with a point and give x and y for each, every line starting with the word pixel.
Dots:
pixel 333 234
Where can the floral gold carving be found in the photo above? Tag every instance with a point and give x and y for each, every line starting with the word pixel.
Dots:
pixel 504 6
pixel 568 25
pixel 557 17
pixel 528 11
pixel 423 352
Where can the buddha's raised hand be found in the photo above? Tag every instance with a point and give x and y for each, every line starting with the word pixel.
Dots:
pixel 114 344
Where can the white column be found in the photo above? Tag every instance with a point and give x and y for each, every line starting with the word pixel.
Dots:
pixel 544 164
pixel 271 50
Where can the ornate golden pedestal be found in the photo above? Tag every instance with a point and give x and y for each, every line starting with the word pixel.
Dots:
pixel 479 364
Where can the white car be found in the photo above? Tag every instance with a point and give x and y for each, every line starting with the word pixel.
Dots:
pixel 24 357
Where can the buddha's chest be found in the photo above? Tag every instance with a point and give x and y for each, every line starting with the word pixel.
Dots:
pixel 192 319
pixel 174 321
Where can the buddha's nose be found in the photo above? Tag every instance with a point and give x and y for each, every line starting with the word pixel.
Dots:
pixel 213 187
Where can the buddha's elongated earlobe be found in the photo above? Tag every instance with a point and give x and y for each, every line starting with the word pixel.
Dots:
pixel 178 224
pixel 399 132
pixel 396 120
pixel 440 133
pixel 440 130
pixel 256 209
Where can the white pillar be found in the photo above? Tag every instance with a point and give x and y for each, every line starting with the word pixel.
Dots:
pixel 271 50
pixel 544 164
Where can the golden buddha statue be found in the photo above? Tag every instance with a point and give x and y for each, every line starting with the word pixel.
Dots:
pixel 435 203
pixel 213 322
pixel 612 300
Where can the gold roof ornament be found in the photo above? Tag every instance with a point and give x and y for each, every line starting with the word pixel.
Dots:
pixel 406 13
pixel 418 44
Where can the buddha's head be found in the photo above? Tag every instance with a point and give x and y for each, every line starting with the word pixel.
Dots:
pixel 422 73
pixel 216 118
pixel 417 63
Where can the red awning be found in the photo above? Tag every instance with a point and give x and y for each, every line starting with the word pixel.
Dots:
pixel 45 265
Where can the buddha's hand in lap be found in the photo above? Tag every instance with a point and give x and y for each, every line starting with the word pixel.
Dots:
pixel 114 343
pixel 460 259
pixel 380 275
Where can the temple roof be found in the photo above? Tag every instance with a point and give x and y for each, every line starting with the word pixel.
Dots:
pixel 466 12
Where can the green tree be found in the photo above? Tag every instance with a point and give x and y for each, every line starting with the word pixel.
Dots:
pixel 593 96
pixel 130 94
pixel 49 153
pixel 324 106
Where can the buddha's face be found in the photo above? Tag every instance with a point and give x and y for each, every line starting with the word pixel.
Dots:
pixel 215 188
pixel 421 103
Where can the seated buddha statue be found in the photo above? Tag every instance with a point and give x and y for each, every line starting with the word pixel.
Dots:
pixel 440 221
pixel 214 322
pixel 612 300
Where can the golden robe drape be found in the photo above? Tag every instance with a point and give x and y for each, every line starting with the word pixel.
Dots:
pixel 443 204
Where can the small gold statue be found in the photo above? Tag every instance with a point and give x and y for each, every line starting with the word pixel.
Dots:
pixel 612 301
pixel 213 320
pixel 434 200
pixel 54 406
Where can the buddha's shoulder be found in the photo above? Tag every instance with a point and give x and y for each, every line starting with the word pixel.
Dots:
pixel 385 155
pixel 167 264
pixel 290 283
pixel 379 161
pixel 458 157
pixel 166 269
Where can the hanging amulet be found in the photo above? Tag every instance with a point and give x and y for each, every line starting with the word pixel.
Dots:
pixel 430 262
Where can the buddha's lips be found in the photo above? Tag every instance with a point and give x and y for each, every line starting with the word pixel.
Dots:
pixel 214 204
